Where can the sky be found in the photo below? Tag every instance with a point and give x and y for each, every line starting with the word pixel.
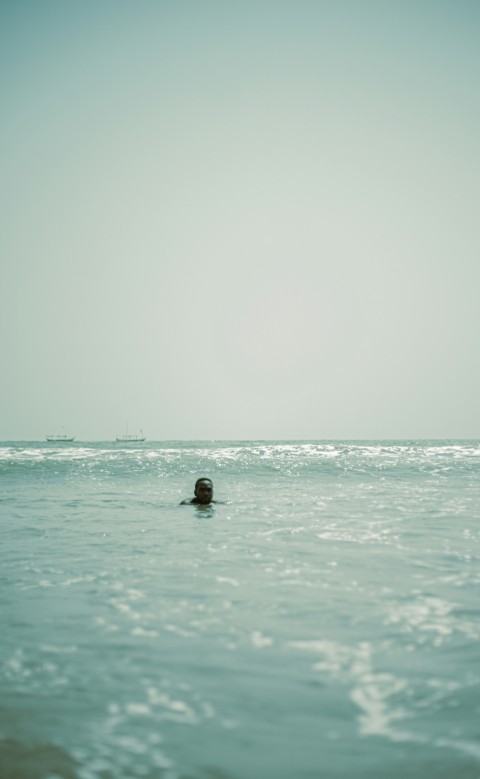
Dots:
pixel 240 219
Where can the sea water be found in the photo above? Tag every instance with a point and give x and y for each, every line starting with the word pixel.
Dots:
pixel 323 622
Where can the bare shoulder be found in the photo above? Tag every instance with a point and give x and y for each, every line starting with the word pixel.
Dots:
pixel 186 502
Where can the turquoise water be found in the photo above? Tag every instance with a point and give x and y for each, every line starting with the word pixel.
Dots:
pixel 322 623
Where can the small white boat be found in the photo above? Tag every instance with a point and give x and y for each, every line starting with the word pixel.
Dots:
pixel 59 438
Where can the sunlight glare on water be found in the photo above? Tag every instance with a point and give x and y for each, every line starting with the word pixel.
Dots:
pixel 322 622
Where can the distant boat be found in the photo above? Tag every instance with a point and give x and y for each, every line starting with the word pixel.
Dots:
pixel 131 438
pixel 59 438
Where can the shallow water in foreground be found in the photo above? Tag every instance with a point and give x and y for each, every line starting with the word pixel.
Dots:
pixel 323 623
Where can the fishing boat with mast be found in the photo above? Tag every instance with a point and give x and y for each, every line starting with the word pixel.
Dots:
pixel 130 438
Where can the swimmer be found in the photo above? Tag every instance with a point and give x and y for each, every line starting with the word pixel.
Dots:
pixel 203 494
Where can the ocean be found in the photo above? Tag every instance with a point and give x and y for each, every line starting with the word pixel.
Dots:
pixel 323 622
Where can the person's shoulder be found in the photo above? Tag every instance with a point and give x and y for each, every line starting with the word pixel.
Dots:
pixel 187 502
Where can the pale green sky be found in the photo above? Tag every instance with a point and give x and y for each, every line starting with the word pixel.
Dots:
pixel 240 219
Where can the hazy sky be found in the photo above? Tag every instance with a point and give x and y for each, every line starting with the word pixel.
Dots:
pixel 234 219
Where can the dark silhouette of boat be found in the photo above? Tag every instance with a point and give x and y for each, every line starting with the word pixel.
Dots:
pixel 59 438
pixel 131 438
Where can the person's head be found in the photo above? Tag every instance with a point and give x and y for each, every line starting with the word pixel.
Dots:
pixel 204 490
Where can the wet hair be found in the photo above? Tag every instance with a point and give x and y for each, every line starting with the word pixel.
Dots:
pixel 204 478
